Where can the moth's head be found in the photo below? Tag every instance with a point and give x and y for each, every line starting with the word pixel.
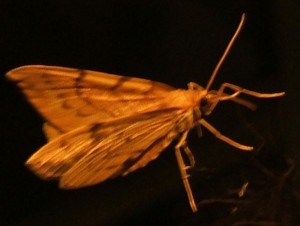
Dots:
pixel 208 102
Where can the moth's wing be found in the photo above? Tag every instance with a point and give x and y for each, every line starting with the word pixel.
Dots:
pixel 69 98
pixel 94 153
pixel 51 131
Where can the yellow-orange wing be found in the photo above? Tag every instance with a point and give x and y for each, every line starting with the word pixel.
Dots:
pixel 96 152
pixel 69 98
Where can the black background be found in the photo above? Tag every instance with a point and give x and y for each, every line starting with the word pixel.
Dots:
pixel 174 42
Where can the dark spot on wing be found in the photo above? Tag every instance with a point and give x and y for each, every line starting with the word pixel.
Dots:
pixel 57 169
pixel 47 78
pixel 65 105
pixel 97 133
pixel 131 161
pixel 61 95
pixel 95 127
pixel 120 82
pixel 80 77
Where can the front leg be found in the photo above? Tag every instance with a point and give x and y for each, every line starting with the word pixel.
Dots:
pixel 237 90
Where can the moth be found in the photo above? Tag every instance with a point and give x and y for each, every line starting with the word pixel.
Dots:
pixel 101 125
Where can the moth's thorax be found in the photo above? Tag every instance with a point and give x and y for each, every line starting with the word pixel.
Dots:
pixel 184 99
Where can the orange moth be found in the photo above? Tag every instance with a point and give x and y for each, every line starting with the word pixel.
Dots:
pixel 100 125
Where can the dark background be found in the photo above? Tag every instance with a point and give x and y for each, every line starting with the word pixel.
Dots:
pixel 174 42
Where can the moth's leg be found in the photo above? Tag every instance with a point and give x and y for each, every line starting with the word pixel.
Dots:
pixel 183 168
pixel 245 103
pixel 234 97
pixel 222 96
pixel 238 90
pixel 197 113
pixel 224 138
pixel 190 155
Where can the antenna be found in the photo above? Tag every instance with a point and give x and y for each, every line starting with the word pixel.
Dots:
pixel 217 68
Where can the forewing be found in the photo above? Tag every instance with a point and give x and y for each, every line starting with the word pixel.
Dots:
pixel 94 153
pixel 69 98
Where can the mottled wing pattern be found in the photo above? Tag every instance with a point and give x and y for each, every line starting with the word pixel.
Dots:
pixel 94 153
pixel 69 98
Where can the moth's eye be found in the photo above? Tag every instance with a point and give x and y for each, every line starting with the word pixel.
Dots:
pixel 203 102
pixel 205 105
